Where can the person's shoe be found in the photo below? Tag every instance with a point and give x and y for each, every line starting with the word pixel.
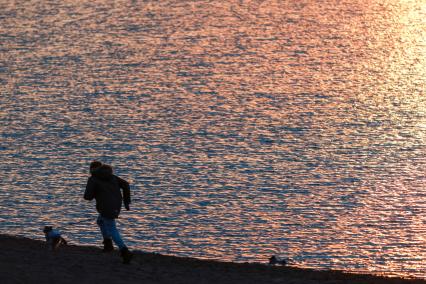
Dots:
pixel 108 246
pixel 126 255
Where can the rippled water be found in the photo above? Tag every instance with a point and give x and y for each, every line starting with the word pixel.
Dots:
pixel 247 128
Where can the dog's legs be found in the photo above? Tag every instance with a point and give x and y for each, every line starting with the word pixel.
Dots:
pixel 55 243
pixel 63 241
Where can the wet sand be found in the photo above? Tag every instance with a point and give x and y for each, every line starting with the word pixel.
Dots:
pixel 29 261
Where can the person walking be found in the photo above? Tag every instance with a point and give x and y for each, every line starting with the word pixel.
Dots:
pixel 104 187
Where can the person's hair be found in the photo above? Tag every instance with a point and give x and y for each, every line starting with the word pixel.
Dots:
pixel 95 164
pixel 107 168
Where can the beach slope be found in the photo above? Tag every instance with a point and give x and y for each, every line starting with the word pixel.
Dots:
pixel 28 261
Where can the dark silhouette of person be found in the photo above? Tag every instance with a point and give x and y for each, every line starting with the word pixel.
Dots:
pixel 104 187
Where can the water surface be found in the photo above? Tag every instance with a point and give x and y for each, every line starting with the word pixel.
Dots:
pixel 246 128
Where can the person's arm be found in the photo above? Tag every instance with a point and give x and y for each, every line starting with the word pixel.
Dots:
pixel 126 192
pixel 89 193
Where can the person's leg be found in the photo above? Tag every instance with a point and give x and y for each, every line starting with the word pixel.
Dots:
pixel 111 229
pixel 102 226
pixel 108 246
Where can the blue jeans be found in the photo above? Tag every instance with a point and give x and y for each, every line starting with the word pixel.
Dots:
pixel 109 231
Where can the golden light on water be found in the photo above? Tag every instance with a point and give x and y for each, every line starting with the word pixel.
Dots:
pixel 248 128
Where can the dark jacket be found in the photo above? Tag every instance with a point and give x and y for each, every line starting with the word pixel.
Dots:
pixel 105 188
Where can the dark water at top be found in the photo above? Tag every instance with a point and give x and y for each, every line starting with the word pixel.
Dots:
pixel 247 128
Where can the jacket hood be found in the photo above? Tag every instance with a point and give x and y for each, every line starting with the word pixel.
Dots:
pixel 104 172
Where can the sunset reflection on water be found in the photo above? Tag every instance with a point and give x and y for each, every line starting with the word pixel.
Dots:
pixel 247 128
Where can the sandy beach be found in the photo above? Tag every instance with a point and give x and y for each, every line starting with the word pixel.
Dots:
pixel 29 261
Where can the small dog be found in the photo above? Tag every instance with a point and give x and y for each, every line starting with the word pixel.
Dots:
pixel 277 260
pixel 53 238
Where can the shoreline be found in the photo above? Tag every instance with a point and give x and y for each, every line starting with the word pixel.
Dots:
pixel 26 260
